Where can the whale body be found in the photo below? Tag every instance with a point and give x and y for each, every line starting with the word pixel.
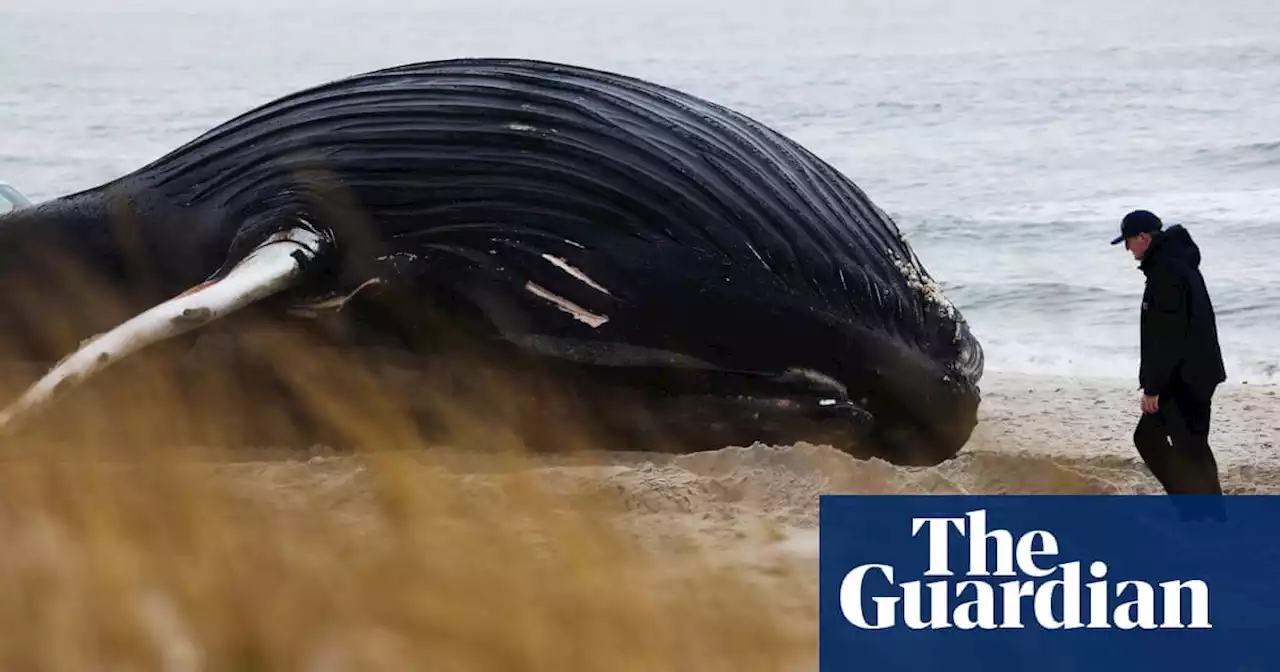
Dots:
pixel 627 235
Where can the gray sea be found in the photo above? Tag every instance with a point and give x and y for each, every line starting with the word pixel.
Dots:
pixel 1007 138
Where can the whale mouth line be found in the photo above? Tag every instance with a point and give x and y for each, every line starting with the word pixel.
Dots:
pixel 827 417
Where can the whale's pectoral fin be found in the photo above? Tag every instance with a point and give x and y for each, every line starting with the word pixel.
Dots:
pixel 273 266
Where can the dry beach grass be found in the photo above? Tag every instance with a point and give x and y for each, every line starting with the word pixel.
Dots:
pixel 127 548
pixel 123 554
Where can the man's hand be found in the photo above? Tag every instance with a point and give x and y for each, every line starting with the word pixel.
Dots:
pixel 1150 403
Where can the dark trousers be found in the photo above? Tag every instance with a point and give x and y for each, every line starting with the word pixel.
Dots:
pixel 1174 442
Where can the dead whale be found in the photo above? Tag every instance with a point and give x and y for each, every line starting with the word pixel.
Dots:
pixel 628 236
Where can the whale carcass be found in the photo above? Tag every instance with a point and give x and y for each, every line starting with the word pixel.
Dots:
pixel 629 236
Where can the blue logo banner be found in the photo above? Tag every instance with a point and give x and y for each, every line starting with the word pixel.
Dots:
pixel 1144 582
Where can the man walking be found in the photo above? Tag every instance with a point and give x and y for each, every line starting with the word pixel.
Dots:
pixel 1181 359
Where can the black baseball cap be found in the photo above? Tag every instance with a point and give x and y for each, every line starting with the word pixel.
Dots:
pixel 1138 221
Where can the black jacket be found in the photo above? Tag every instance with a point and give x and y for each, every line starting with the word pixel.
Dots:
pixel 1179 332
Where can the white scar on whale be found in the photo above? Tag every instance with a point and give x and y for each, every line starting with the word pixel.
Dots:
pixel 578 312
pixel 571 270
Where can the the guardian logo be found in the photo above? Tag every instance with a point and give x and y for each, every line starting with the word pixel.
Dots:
pixel 1054 602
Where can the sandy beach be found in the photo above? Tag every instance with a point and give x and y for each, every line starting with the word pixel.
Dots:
pixel 713 555
pixel 756 507
pixel 1037 435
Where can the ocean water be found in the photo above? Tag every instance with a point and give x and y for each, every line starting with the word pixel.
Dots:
pixel 1006 137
